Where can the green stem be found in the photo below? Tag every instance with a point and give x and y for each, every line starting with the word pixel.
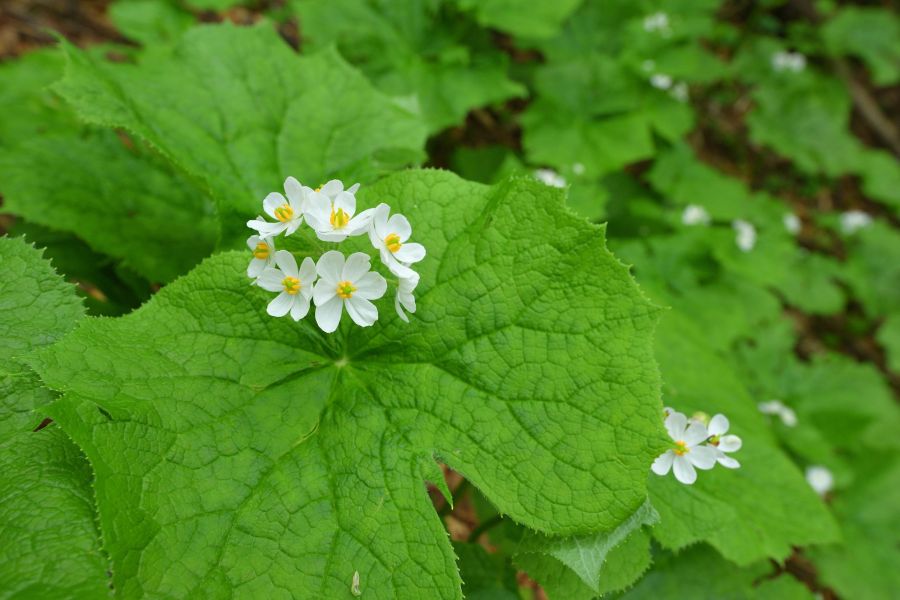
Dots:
pixel 483 527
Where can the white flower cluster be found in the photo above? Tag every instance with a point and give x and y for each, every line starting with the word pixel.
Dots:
pixel 694 214
pixel 854 220
pixel 658 22
pixel 699 443
pixel 678 90
pixel 744 235
pixel 334 282
pixel 780 410
pixel 788 61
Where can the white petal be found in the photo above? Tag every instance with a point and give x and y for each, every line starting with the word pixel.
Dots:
pixel 324 291
pixel 396 267
pixel 730 443
pixel 273 201
pixel 307 272
pixel 280 305
pixel 663 463
pixel 400 225
pixel 300 307
pixel 318 211
pixel 346 202
pixel 294 191
pixel 370 286
pixel 410 253
pixel 695 433
pixel 287 263
pixel 718 425
pixel 332 188
pixel 356 266
pixel 253 241
pixel 328 315
pixel 331 236
pixel 359 224
pixel 788 417
pixel 398 306
pixel 330 266
pixel 271 279
pixel 294 224
pixel 676 423
pixel 256 267
pixel 352 189
pixel 361 310
pixel 684 470
pixel 703 457
pixel 380 219
pixel 728 462
pixel 265 228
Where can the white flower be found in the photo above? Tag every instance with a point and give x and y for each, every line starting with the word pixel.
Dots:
pixel 389 236
pixel 788 61
pixel 721 443
pixel 330 212
pixel 578 168
pixel 661 81
pixel 263 255
pixel 854 220
pixel 820 479
pixel 346 284
pixel 657 22
pixel 550 177
pixel 287 212
pixel 791 223
pixel 687 453
pixel 776 407
pixel 679 91
pixel 745 235
pixel 694 214
pixel 405 298
pixel 294 284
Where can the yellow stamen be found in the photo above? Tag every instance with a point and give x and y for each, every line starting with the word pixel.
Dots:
pixel 681 448
pixel 261 251
pixel 392 241
pixel 339 218
pixel 284 213
pixel 291 285
pixel 345 289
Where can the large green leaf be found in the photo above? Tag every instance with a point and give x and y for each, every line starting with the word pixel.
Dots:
pixel 51 546
pixel 542 18
pixel 236 453
pixel 416 49
pixel 872 34
pixel 239 112
pixel 127 203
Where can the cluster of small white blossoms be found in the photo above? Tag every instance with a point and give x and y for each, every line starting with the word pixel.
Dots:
pixel 744 235
pixel 700 443
pixel 694 214
pixel 854 220
pixel 334 283
pixel 779 409
pixel 788 61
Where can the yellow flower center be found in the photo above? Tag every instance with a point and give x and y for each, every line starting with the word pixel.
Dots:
pixel 261 251
pixel 284 213
pixel 345 289
pixel 339 218
pixel 392 241
pixel 291 285
pixel 681 448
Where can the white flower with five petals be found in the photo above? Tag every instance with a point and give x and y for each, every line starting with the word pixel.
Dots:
pixel 687 453
pixel 389 236
pixel 263 255
pixel 721 443
pixel 287 212
pixel 294 284
pixel 331 212
pixel 346 283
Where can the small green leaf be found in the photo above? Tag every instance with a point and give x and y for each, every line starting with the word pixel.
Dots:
pixel 542 19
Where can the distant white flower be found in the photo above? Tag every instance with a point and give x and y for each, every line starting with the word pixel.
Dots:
pixel 721 443
pixel 263 255
pixel 287 212
pixel 658 21
pixel 661 81
pixel 819 479
pixel 854 220
pixel 694 214
pixel 295 285
pixel 346 283
pixel 389 235
pixel 405 298
pixel 778 408
pixel 791 223
pixel 687 453
pixel 550 177
pixel 330 212
pixel 745 235
pixel 679 91
pixel 578 168
pixel 788 61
